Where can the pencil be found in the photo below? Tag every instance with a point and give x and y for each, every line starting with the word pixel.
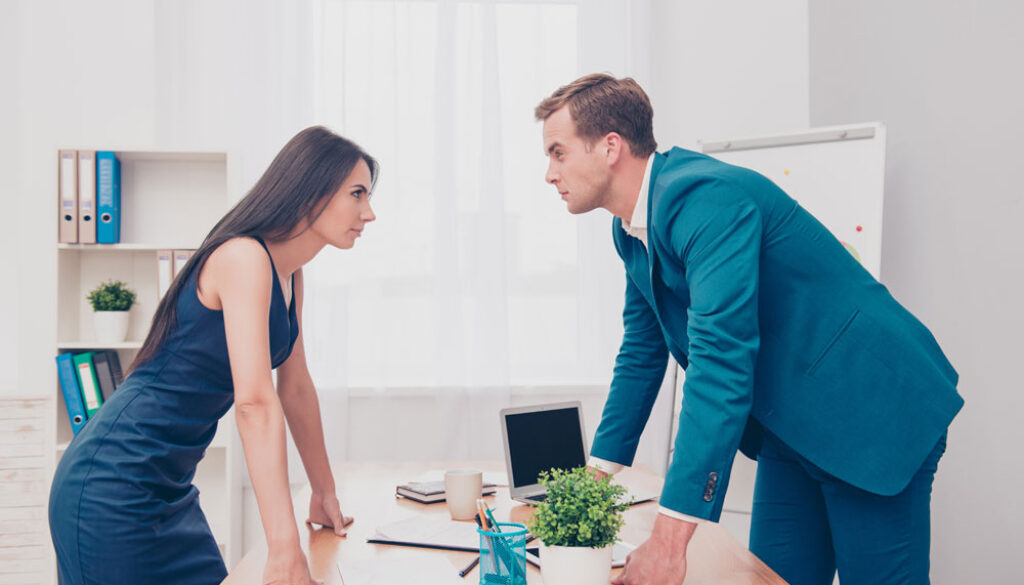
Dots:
pixel 481 506
pixel 470 566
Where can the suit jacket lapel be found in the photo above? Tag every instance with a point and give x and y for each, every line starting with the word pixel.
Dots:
pixel 636 260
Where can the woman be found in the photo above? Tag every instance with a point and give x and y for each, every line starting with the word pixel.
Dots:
pixel 122 507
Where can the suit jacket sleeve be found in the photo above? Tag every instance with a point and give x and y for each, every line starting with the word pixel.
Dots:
pixel 639 370
pixel 715 233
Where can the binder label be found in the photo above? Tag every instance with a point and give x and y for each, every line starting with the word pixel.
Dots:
pixel 89 390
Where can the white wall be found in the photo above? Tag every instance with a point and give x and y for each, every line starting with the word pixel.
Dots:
pixel 10 134
pixel 727 69
pixel 945 79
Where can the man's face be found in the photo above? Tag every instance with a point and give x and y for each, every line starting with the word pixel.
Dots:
pixel 580 173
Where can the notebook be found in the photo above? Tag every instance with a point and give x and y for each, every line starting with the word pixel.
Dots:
pixel 431 492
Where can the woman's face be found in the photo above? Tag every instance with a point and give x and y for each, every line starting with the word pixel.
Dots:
pixel 348 211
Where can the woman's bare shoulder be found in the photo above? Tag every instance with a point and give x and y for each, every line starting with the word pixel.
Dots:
pixel 239 264
pixel 239 253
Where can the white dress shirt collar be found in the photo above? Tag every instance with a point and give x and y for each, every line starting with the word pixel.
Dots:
pixel 637 225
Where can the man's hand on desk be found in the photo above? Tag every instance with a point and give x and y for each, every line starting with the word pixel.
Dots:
pixel 325 510
pixel 662 559
pixel 597 472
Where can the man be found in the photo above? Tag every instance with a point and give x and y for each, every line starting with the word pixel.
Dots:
pixel 794 355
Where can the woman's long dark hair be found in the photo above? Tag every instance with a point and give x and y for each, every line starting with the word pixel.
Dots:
pixel 296 187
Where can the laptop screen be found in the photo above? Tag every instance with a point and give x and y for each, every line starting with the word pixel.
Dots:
pixel 538 441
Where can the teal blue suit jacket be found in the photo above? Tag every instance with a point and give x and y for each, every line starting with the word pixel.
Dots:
pixel 779 328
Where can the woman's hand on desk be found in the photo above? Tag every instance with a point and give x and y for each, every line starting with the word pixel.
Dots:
pixel 325 510
pixel 288 569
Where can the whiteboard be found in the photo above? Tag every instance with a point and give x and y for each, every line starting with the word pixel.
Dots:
pixel 837 173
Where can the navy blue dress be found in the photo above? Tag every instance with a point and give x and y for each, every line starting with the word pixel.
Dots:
pixel 122 506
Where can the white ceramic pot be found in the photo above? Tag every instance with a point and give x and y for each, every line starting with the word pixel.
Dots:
pixel 575 565
pixel 111 326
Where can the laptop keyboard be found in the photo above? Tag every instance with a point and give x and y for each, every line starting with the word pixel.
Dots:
pixel 537 497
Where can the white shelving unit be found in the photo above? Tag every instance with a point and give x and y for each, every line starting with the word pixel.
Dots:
pixel 169 201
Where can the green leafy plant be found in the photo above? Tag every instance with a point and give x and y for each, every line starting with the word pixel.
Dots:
pixel 112 295
pixel 580 509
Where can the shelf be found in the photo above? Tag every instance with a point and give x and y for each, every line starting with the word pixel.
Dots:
pixel 169 201
pixel 171 156
pixel 97 345
pixel 124 247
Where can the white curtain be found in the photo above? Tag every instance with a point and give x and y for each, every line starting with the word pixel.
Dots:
pixel 471 254
pixel 475 288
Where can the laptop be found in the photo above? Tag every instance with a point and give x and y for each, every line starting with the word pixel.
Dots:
pixel 544 436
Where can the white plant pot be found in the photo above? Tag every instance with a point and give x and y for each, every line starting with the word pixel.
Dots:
pixel 575 565
pixel 111 326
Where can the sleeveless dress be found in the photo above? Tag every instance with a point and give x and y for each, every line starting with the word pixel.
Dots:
pixel 123 509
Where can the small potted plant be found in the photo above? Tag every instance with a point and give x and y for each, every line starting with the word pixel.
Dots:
pixel 577 523
pixel 111 302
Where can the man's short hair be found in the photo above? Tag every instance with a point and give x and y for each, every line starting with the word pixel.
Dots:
pixel 599 104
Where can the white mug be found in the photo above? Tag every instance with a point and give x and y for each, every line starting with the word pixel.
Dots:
pixel 462 488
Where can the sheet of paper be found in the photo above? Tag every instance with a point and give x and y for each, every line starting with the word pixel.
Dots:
pixel 403 569
pixel 438 531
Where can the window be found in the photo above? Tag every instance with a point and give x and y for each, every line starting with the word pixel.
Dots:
pixel 470 276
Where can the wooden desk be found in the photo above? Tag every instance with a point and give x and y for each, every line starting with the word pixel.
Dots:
pixel 367 492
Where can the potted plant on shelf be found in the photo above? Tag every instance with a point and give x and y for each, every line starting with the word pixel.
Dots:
pixel 111 302
pixel 577 523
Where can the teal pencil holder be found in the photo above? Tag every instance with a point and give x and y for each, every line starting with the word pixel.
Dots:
pixel 503 555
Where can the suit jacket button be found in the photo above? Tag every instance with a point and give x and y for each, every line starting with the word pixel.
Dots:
pixel 708 497
pixel 713 478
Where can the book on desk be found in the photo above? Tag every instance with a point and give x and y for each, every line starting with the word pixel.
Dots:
pixel 431 492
